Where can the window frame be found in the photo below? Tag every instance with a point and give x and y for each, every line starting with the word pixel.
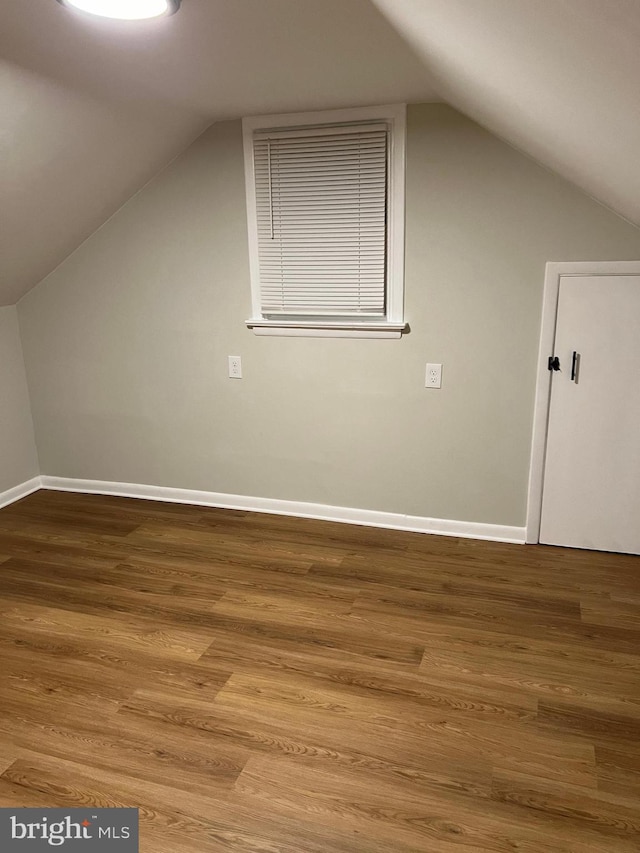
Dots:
pixel 392 324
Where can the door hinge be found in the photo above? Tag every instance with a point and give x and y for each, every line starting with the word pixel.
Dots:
pixel 553 363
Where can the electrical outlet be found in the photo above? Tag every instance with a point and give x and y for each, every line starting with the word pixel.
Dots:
pixel 434 376
pixel 235 367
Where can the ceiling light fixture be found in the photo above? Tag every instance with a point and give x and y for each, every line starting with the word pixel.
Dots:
pixel 127 10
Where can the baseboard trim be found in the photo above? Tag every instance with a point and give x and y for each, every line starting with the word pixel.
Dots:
pixel 20 491
pixel 322 512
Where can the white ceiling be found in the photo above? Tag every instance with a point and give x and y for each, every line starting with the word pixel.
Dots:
pixel 91 109
pixel 559 79
pixel 67 162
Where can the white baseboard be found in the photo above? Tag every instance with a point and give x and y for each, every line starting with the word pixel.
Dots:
pixel 323 512
pixel 21 491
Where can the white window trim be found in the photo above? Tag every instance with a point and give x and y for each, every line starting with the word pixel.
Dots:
pixel 393 324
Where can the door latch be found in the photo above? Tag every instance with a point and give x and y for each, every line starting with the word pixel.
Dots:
pixel 553 363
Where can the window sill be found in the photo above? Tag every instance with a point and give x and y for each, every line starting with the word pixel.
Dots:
pixel 336 329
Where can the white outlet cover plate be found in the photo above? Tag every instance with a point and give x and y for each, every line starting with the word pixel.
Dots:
pixel 433 377
pixel 235 367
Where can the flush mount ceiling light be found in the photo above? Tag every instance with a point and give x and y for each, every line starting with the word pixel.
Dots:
pixel 127 10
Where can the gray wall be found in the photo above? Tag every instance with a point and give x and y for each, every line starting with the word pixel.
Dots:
pixel 126 342
pixel 18 458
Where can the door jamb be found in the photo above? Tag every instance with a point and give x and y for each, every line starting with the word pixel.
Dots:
pixel 554 271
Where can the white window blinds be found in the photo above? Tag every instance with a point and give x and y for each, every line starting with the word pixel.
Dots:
pixel 321 200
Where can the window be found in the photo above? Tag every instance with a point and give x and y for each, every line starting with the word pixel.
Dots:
pixel 325 205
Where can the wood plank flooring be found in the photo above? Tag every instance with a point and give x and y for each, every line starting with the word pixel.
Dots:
pixel 263 684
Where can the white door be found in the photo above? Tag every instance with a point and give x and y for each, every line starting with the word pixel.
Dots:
pixel 591 488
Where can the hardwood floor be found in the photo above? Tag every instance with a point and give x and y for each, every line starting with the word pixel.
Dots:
pixel 278 685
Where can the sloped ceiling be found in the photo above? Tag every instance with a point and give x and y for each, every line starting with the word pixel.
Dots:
pixel 67 162
pixel 91 109
pixel 559 79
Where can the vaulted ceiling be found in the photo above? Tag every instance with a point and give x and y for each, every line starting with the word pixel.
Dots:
pixel 92 109
pixel 559 79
